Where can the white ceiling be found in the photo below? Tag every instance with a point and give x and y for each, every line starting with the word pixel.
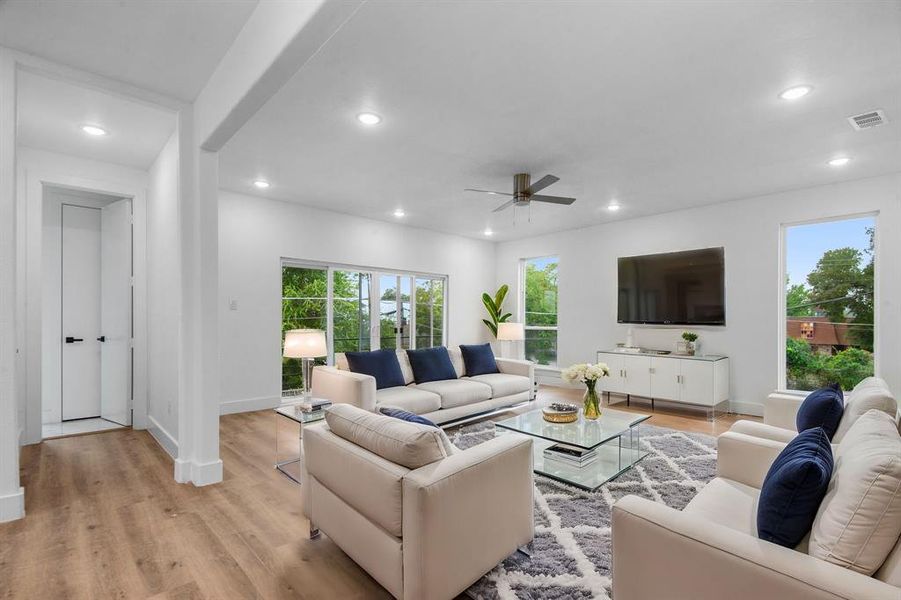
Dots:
pixel 658 105
pixel 161 45
pixel 51 113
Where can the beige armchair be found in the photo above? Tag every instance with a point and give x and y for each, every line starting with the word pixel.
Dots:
pixel 424 519
pixel 710 549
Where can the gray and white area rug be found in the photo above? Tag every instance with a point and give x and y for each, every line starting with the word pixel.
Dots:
pixel 570 555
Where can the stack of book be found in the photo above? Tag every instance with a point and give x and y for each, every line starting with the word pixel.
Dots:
pixel 570 455
pixel 313 405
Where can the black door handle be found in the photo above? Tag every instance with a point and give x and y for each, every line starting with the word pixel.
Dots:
pixel 72 340
pixel 102 338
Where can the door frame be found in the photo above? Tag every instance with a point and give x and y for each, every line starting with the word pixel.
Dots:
pixel 29 240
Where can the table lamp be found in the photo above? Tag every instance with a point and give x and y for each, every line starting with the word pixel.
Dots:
pixel 510 332
pixel 305 344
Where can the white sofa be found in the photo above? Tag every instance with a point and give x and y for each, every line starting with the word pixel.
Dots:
pixel 710 549
pixel 439 401
pixel 425 519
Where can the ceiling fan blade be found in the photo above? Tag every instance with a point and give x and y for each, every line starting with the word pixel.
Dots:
pixel 542 183
pixel 488 192
pixel 506 204
pixel 552 199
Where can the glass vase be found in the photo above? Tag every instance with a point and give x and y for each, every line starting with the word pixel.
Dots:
pixel 592 406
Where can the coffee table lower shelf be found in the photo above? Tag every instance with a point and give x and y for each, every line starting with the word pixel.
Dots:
pixel 614 458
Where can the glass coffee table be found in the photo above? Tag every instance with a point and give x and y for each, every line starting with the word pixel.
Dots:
pixel 614 436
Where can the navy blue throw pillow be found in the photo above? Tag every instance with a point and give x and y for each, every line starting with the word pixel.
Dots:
pixel 431 364
pixel 822 408
pixel 381 364
pixel 794 487
pixel 479 359
pixel 405 416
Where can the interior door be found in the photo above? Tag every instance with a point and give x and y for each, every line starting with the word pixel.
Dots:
pixel 665 378
pixel 115 310
pixel 80 312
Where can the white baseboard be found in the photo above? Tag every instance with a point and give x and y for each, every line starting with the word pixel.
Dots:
pixel 248 404
pixel 12 506
pixel 162 437
pixel 746 408
pixel 199 474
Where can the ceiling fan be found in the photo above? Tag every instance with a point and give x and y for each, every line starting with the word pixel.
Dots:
pixel 524 192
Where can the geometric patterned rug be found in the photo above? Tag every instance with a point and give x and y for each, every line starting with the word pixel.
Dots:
pixel 570 555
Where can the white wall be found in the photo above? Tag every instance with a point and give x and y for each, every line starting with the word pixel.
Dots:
pixel 255 233
pixel 749 230
pixel 163 297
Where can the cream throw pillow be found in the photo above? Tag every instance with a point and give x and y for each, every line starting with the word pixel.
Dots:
pixel 411 445
pixel 870 393
pixel 859 520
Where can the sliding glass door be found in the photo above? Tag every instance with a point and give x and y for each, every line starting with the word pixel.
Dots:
pixel 350 311
pixel 394 311
pixel 429 312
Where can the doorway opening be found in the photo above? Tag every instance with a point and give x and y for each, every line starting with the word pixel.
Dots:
pixel 87 312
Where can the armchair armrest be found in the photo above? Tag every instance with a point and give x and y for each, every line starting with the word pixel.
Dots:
pixel 745 458
pixel 511 366
pixel 694 559
pixel 344 387
pixel 781 409
pixel 483 493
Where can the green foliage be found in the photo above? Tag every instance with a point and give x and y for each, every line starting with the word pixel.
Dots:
pixel 495 308
pixel 689 336
pixel 808 369
pixel 541 311
pixel 797 301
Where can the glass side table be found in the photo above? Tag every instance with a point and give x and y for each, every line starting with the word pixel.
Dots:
pixel 292 412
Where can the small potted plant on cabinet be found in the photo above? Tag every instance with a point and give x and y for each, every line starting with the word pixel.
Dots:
pixel 690 344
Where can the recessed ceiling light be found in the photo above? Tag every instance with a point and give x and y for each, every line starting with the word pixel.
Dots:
pixel 399 213
pixel 839 161
pixel 93 130
pixel 261 184
pixel 793 93
pixel 613 207
pixel 488 231
pixel 368 118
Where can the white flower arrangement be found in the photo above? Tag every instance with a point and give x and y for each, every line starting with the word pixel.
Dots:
pixel 585 373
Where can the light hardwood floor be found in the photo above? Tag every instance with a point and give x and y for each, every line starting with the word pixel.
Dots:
pixel 105 519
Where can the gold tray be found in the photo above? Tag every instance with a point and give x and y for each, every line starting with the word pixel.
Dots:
pixel 554 416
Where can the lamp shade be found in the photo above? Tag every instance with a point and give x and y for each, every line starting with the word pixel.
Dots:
pixel 305 343
pixel 510 332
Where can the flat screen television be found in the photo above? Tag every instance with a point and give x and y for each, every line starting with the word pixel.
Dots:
pixel 676 288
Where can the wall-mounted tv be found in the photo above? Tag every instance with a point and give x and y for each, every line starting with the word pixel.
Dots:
pixel 676 288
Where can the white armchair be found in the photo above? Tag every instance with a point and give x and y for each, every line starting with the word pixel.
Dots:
pixel 710 549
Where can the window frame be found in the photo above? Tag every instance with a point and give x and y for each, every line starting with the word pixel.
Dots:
pixel 521 306
pixel 782 306
pixel 375 292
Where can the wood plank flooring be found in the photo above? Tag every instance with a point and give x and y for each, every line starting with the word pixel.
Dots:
pixel 105 519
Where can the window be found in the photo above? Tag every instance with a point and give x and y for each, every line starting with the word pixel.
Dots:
pixel 829 303
pixel 539 302
pixel 304 306
pixel 360 309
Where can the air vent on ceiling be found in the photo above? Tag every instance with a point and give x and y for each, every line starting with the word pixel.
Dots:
pixel 866 120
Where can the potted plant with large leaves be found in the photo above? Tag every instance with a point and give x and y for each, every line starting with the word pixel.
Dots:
pixel 495 307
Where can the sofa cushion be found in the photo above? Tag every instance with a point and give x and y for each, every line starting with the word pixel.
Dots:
pixel 431 364
pixel 407 444
pixel 821 408
pixel 381 364
pixel 503 384
pixel 458 392
pixel 727 503
pixel 409 398
pixel 859 520
pixel 793 488
pixel 457 360
pixel 405 368
pixel 870 393
pixel 478 359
